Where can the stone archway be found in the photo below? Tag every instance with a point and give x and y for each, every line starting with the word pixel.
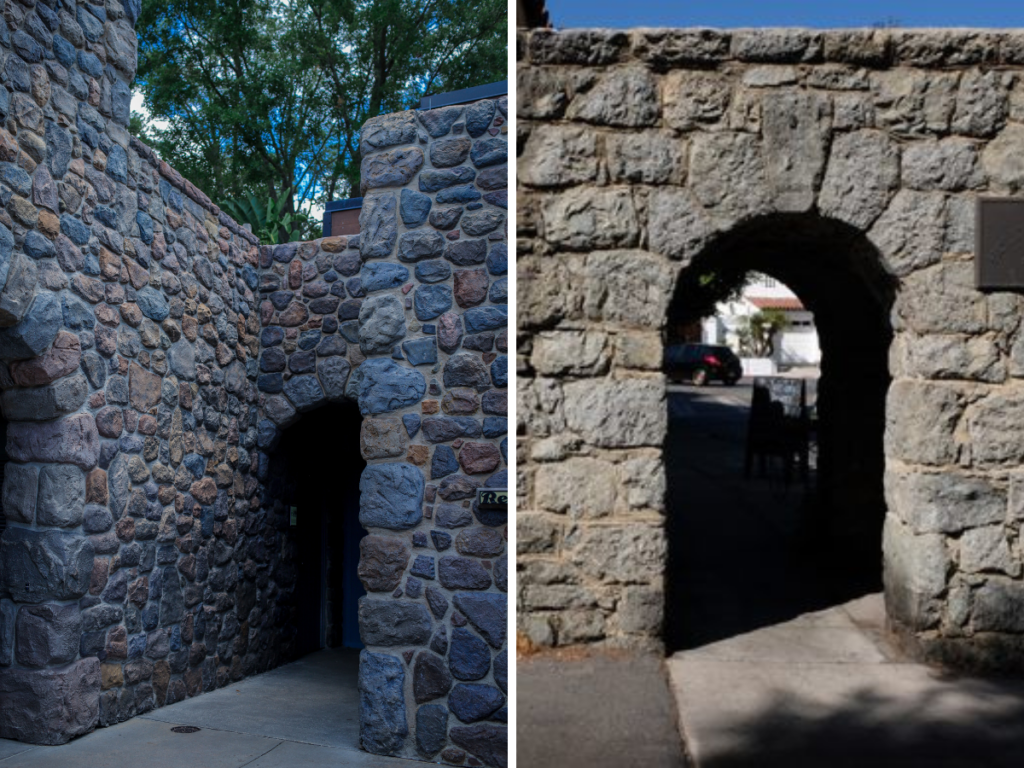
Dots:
pixel 637 150
pixel 818 542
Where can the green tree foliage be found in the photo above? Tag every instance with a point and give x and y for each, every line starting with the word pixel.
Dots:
pixel 260 96
pixel 757 337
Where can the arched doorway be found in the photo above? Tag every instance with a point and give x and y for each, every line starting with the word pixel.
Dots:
pixel 752 551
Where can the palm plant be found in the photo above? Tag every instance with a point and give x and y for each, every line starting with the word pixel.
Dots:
pixel 270 222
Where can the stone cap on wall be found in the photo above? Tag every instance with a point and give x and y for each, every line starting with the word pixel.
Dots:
pixel 707 47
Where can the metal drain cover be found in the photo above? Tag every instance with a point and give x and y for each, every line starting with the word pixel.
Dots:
pixel 185 729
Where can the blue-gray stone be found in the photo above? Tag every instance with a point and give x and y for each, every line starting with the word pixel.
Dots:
pixel 393 622
pixel 463 194
pixel 36 331
pixel 145 222
pixel 266 434
pixel 379 277
pixel 91 26
pixel 89 64
pixel 431 729
pixel 436 271
pixel 499 291
pixel 479 117
pixel 333 372
pixel 431 301
pixel 64 51
pixel 309 339
pixel 452 516
pixel 487 152
pixel 488 613
pixel 331 346
pixel 462 573
pixel 117 164
pixel 74 229
pixel 182 359
pixel 466 253
pixel 46 565
pixel 442 429
pixel 132 8
pixel 382 721
pixel 495 426
pixel 421 351
pixel 16 179
pixel 26 47
pixel 378 226
pixel 6 250
pixel 77 315
pixel 58 152
pixel 285 252
pixel 501 671
pixel 423 566
pixel 304 392
pixel 349 310
pixel 442 541
pixel 272 336
pixel 416 246
pixel 250 277
pixel 469 658
pixel 383 385
pixel 466 370
pixel 432 180
pixel 37 246
pixel 121 102
pixel 413 587
pixel 195 464
pixel 412 423
pixel 499 371
pixel 471 702
pixel 350 330
pixel 105 216
pixel 414 208
pixel 391 496
pixel 443 462
pixel 481 319
pixel 153 304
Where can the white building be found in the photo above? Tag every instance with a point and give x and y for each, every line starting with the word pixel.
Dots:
pixel 795 345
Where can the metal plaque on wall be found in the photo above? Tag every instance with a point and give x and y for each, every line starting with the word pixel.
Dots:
pixel 999 243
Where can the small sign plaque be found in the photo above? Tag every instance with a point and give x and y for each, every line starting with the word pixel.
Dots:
pixel 495 499
pixel 999 243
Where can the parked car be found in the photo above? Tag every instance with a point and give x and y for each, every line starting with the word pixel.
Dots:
pixel 701 363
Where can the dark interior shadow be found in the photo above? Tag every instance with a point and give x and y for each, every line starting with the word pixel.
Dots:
pixel 746 553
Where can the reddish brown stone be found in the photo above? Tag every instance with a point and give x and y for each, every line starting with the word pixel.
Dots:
pixel 161 679
pixel 294 314
pixel 501 340
pixel 295 274
pixel 96 487
pixel 334 244
pixel 60 360
pixel 449 332
pixel 117 643
pixel 137 276
pixel 382 562
pixel 429 406
pixel 477 458
pixel 138 592
pixel 185 396
pixel 125 529
pixel 97 399
pixel 110 264
pixel 143 388
pixel 147 424
pixel 460 401
pixel 204 491
pixel 470 287
pixel 418 455
pixel 107 315
pixel 131 419
pixel 100 571
pixel 110 422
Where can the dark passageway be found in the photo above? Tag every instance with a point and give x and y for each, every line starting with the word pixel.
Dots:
pixel 746 553
pixel 318 466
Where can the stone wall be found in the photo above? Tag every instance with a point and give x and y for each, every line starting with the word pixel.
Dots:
pixel 638 152
pixel 152 352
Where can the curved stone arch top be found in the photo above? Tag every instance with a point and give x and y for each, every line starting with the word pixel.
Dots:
pixel 639 151
pixel 150 353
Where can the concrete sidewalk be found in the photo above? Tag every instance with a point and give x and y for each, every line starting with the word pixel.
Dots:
pixel 826 689
pixel 595 712
pixel 302 714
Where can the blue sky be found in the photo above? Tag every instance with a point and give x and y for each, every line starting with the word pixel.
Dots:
pixel 806 13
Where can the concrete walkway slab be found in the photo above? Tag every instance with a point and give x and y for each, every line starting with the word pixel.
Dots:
pixel 313 700
pixel 301 714
pixel 148 744
pixel 750 706
pixel 596 712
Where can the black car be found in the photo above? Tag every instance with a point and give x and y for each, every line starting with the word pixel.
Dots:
pixel 701 363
